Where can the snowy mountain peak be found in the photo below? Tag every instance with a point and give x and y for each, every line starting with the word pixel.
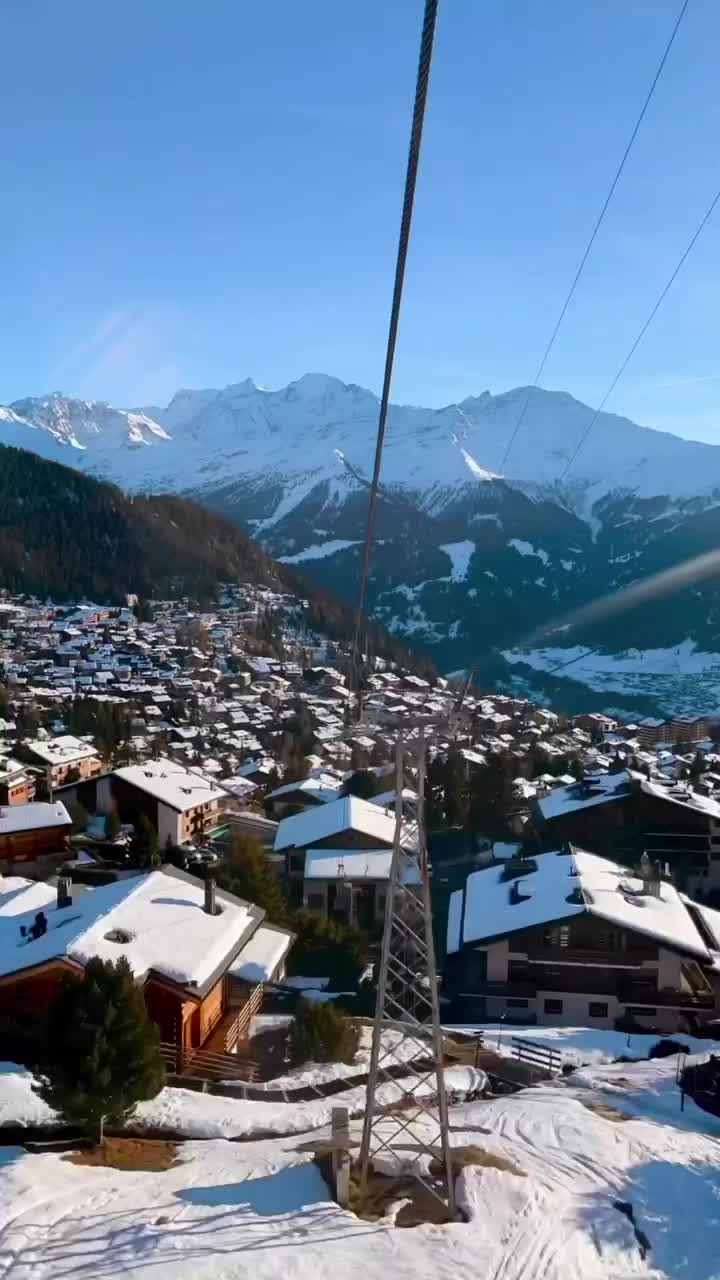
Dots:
pixel 244 433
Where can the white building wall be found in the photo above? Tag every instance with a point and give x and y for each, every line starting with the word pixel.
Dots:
pixel 169 824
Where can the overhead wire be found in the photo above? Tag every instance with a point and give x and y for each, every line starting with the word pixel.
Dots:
pixel 656 307
pixel 593 236
pixel 421 89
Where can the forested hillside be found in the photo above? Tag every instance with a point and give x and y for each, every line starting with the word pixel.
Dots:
pixel 65 535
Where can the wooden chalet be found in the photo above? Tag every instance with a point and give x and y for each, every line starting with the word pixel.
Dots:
pixel 201 955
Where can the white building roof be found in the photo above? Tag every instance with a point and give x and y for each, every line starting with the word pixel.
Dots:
pixel 156 921
pixel 170 783
pixel 606 890
pixel 261 957
pixel 584 794
pixel 349 813
pixel 32 817
pixel 62 750
pixel 322 787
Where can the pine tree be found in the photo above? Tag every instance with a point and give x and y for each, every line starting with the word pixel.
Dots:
pixel 113 825
pixel 362 783
pixel 322 1033
pixel 143 851
pixel 247 872
pixel 104 1052
pixel 455 794
pixel 490 798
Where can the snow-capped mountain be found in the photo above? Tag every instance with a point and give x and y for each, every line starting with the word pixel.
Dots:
pixel 467 558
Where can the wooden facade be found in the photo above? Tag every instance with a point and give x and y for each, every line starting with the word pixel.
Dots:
pixel 184 1019
pixel 25 846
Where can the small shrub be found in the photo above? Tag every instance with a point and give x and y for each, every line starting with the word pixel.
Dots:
pixel 322 1033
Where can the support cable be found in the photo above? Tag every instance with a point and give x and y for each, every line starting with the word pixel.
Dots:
pixel 658 303
pixel 421 89
pixel 593 237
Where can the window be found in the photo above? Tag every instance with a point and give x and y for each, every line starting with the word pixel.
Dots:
pixel 637 1011
pixel 515 1003
pixel 553 1006
pixel 316 901
pixel 598 1009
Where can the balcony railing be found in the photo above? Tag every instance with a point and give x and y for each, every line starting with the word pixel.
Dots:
pixel 627 993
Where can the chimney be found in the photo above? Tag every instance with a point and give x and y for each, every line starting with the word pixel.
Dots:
pixel 654 883
pixel 210 908
pixel 64 892
pixel 645 872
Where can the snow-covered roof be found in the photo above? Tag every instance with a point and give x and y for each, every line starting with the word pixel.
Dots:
pixel 156 921
pixel 170 783
pixel 348 864
pixel 682 794
pixel 62 750
pixel 386 799
pixel 10 767
pixel 349 813
pixel 323 787
pixel 585 794
pixel 562 886
pixel 261 957
pixel 354 865
pixel 238 786
pixel 33 817
pixel 18 895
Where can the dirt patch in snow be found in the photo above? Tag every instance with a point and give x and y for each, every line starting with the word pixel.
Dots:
pixel 607 1112
pixel 463 1157
pixel 144 1155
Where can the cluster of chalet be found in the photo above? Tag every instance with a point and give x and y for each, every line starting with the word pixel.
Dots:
pixel 208 702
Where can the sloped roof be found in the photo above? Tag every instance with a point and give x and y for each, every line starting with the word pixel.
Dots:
pixel 156 921
pixel 349 813
pixel 562 886
pixel 178 788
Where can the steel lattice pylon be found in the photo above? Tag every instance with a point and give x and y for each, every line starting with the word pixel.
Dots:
pixel 407 1003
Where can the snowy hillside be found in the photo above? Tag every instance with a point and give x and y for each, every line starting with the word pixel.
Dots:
pixel 467 561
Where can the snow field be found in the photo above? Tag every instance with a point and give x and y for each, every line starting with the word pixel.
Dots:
pixel 226 1209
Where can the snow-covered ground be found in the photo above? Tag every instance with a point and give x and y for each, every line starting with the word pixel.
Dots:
pixel 682 679
pixel 229 1209
pixel 580 1045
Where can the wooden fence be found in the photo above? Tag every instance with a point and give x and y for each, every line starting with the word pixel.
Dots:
pixel 537 1054
pixel 203 1064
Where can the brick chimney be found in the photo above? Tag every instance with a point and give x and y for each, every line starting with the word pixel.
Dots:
pixel 64 892
pixel 210 907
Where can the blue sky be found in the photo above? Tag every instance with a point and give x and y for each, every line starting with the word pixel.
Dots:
pixel 196 193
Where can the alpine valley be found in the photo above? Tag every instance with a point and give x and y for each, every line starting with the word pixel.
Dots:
pixel 468 562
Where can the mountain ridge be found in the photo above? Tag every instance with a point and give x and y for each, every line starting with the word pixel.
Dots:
pixel 467 561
